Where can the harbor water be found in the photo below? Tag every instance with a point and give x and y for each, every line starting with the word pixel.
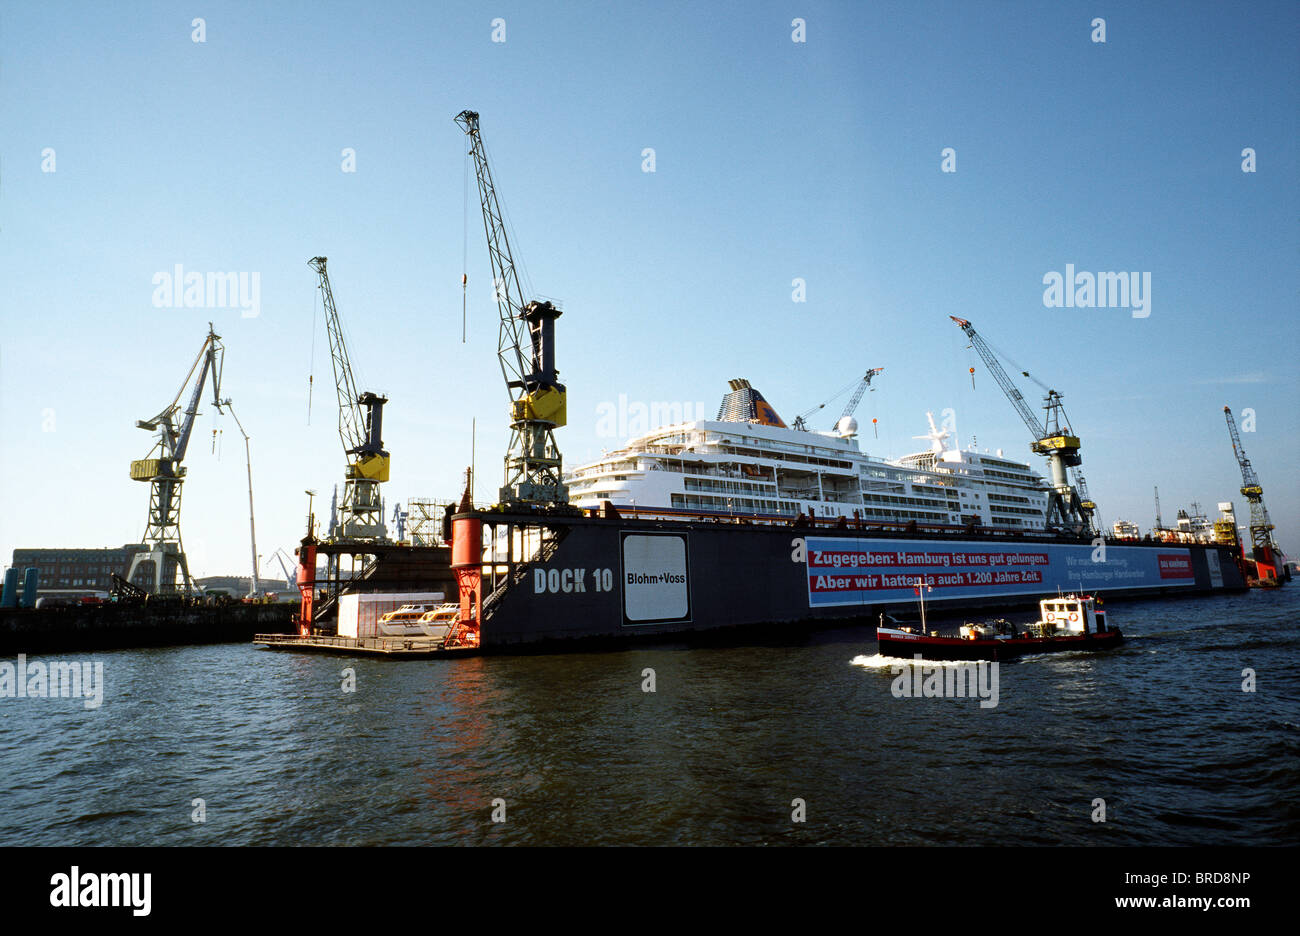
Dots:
pixel 236 745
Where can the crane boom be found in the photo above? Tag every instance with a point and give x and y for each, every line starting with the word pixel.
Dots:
pixel 1250 486
pixel 361 418
pixel 1068 505
pixel 995 368
pixel 852 405
pixel 279 556
pixel 505 279
pixel 801 421
pixel 533 476
pixel 350 417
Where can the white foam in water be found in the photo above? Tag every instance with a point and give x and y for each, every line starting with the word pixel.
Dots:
pixel 877 661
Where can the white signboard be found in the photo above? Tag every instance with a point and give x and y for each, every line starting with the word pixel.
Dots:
pixel 1216 571
pixel 656 578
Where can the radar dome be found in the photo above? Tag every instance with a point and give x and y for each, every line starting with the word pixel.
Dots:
pixel 847 426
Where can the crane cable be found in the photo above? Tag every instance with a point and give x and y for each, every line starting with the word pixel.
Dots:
pixel 311 366
pixel 464 254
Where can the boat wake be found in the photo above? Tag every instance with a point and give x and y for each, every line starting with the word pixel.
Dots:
pixel 879 661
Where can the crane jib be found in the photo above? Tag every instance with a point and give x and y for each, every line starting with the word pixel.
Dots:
pixel 1068 505
pixel 534 473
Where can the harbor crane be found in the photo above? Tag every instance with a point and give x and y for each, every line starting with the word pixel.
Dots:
pixel 164 471
pixel 1068 505
pixel 526 352
pixel 842 425
pixel 1265 551
pixel 361 515
pixel 286 563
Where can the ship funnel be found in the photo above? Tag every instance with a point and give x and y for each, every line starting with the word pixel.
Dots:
pixel 745 404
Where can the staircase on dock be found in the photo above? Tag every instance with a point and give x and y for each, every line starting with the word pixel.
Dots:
pixel 544 553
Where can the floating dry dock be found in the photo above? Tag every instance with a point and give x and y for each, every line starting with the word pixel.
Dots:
pixel 403 647
pixel 530 578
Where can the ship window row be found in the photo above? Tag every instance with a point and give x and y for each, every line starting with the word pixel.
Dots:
pixel 812 494
pixel 1008 498
pixel 1022 478
pixel 890 486
pixel 1012 489
pixel 931 482
pixel 915 501
pixel 68 570
pixel 998 508
pixel 874 514
pixel 729 487
pixel 774 446
pixel 755 504
pixel 606 467
pixel 778 456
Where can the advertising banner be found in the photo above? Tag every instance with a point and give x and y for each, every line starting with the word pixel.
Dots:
pixel 843 571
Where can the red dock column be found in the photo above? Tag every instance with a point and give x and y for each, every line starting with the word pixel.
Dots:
pixel 306 586
pixel 467 566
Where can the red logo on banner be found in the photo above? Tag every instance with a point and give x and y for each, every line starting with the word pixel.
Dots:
pixel 1178 567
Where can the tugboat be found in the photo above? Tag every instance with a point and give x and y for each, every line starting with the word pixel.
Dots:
pixel 1066 622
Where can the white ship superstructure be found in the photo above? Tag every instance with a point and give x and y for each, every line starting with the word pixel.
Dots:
pixel 748 462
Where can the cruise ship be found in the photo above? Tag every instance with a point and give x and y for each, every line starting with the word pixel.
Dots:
pixel 744 521
pixel 749 462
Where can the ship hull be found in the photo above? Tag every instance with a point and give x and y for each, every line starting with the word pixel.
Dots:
pixel 618 578
pixel 953 648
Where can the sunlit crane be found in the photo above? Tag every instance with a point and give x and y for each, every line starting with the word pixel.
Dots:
pixel 845 425
pixel 162 468
pixel 1068 506
pixel 1265 551
pixel 361 515
pixel 286 565
pixel 533 471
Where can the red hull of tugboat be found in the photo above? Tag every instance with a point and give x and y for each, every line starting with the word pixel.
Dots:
pixel 955 648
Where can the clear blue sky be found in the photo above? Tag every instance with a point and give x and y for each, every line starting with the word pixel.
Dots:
pixel 774 160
